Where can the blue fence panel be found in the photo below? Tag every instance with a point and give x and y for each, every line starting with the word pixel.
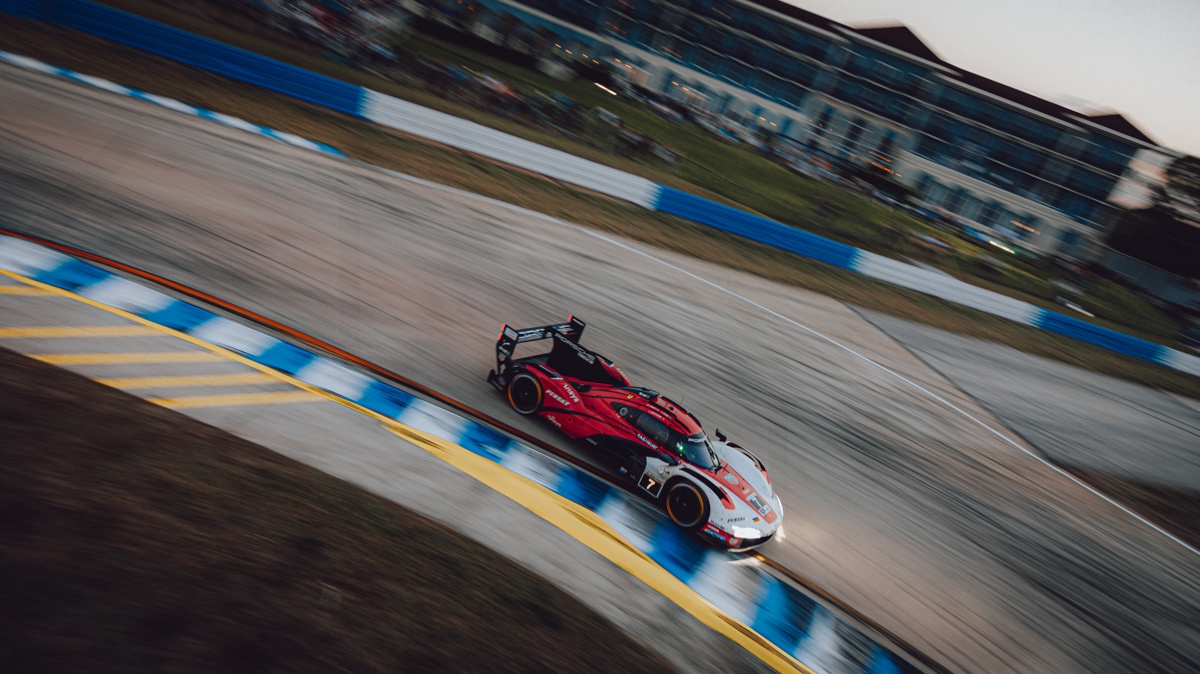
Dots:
pixel 193 50
pixel 755 227
pixel 1083 331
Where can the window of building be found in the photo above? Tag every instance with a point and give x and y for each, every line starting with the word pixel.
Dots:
pixel 992 213
pixel 857 126
pixel 824 121
pixel 888 144
pixel 971 207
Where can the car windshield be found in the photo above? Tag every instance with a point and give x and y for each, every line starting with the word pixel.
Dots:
pixel 696 449
pixel 692 448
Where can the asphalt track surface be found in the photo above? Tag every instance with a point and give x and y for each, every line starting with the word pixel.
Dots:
pixel 940 530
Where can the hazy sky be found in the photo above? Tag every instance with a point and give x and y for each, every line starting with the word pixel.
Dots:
pixel 1141 59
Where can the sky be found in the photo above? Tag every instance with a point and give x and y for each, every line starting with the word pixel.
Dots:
pixel 1141 59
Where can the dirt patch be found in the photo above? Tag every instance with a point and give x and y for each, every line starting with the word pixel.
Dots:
pixel 133 538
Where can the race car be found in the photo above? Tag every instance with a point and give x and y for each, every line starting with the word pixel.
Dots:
pixel 715 489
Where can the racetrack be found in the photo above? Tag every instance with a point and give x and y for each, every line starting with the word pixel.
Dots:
pixel 939 530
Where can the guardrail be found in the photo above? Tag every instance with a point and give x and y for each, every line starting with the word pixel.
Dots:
pixel 423 122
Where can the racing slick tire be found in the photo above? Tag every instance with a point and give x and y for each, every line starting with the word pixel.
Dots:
pixel 525 393
pixel 686 505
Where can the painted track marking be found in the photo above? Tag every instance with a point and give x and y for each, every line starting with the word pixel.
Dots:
pixel 124 358
pixel 23 290
pixel 188 381
pixel 53 332
pixel 238 399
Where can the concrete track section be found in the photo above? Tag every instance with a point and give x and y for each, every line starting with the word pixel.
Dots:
pixel 911 511
pixel 1074 417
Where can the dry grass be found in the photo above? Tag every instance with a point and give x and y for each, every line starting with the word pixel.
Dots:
pixel 133 538
pixel 368 143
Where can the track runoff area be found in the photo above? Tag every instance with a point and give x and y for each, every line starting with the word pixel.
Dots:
pixel 69 312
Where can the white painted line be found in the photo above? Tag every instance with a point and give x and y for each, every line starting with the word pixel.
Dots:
pixel 335 378
pixel 101 83
pixel 126 295
pixel 171 103
pixel 234 336
pixel 236 122
pixel 28 259
pixel 433 420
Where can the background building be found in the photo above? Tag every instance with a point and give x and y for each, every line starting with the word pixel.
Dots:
pixel 981 152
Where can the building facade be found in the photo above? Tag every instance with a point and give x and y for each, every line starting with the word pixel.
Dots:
pixel 984 153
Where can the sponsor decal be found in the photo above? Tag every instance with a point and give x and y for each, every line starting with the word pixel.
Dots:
pixel 570 391
pixel 646 440
pixel 712 530
pixel 551 419
pixel 582 352
pixel 559 398
pixel 739 519
pixel 731 478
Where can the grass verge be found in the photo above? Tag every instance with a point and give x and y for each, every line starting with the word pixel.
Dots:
pixel 133 538
pixel 368 143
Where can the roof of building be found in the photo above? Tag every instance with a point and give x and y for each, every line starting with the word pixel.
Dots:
pixel 786 9
pixel 1117 122
pixel 902 38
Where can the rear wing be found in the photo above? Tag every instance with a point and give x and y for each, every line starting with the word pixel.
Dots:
pixel 509 338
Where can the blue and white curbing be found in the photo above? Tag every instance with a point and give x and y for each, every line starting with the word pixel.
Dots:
pixel 440 127
pixel 739 585
pixel 171 103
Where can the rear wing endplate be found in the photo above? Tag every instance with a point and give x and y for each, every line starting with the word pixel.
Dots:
pixel 509 338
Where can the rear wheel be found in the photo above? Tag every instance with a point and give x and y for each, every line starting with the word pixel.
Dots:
pixel 525 393
pixel 686 505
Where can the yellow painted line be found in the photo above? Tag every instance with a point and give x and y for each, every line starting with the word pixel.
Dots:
pixel 189 381
pixel 52 331
pixel 238 399
pixel 578 522
pixel 23 290
pixel 120 358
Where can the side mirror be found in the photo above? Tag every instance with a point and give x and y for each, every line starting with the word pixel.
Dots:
pixel 719 434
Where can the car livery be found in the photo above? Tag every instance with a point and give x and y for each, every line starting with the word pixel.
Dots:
pixel 715 489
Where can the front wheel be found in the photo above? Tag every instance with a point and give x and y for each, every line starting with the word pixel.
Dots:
pixel 686 505
pixel 525 393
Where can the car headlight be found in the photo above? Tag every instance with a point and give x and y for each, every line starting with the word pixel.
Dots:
pixel 746 532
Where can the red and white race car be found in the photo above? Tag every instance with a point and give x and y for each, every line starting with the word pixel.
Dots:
pixel 716 489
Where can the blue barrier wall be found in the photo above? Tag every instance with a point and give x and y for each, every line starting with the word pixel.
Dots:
pixel 1100 336
pixel 755 227
pixel 193 50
